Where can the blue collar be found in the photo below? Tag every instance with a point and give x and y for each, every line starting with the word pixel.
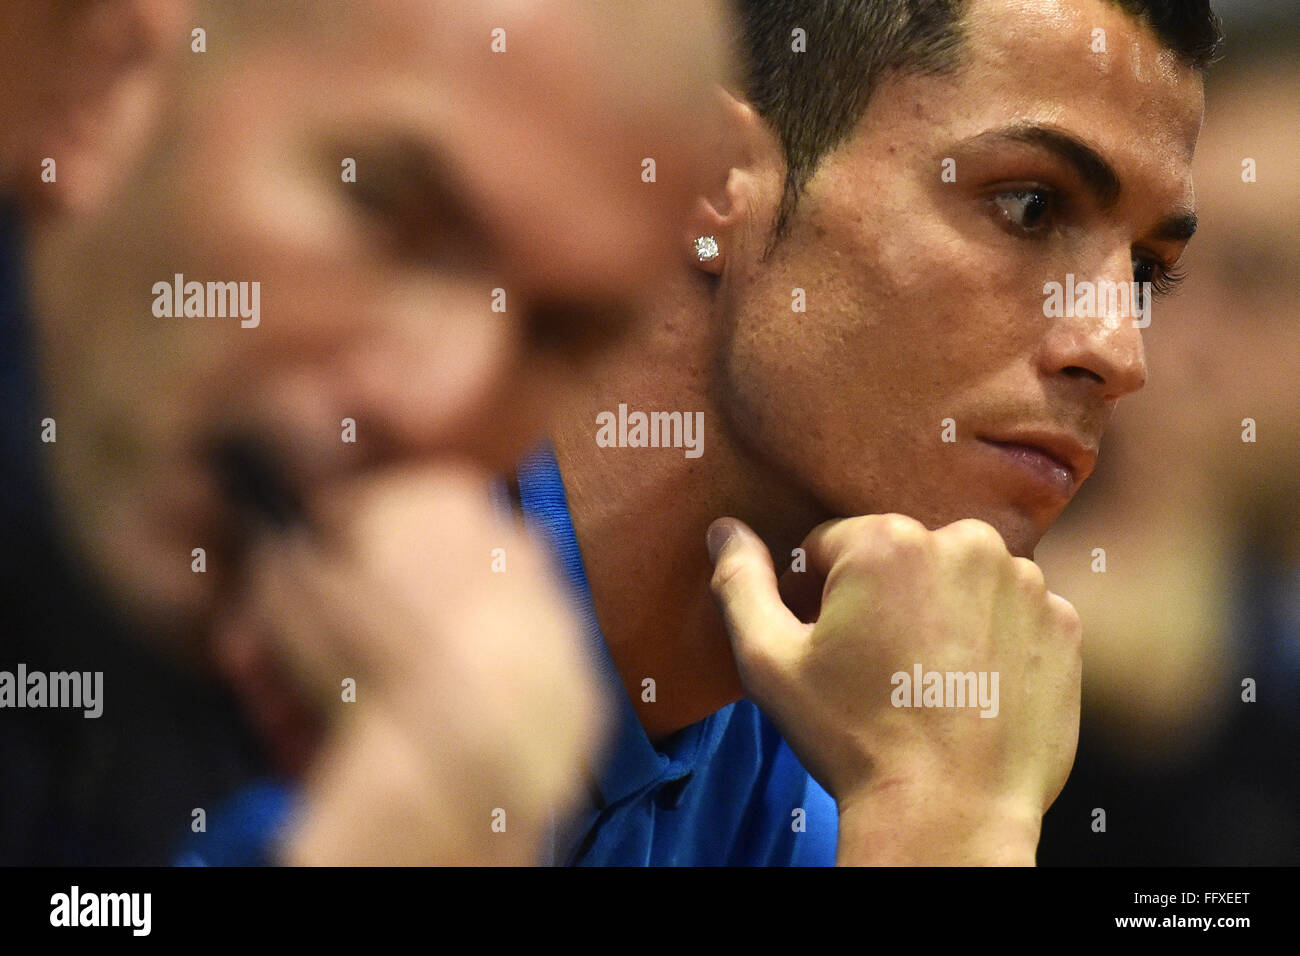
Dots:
pixel 633 763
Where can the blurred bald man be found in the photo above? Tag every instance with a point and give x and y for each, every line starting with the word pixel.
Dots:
pixel 424 216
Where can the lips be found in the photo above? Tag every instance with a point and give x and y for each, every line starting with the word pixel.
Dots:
pixel 1049 451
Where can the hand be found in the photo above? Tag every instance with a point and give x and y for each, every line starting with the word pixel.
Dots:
pixel 474 700
pixel 914 784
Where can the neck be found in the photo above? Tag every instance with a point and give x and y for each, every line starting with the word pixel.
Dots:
pixel 641 513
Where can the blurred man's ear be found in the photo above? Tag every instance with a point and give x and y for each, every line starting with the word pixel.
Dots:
pixel 80 82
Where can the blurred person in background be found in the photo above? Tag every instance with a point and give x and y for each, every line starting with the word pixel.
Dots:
pixel 297 497
pixel 1200 524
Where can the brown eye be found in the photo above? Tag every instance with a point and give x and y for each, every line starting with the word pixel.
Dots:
pixel 1025 210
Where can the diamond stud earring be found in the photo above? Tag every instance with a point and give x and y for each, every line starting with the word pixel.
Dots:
pixel 706 248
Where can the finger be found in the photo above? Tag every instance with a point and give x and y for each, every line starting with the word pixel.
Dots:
pixel 296 603
pixel 824 543
pixel 1066 616
pixel 745 587
pixel 801 590
pixel 831 540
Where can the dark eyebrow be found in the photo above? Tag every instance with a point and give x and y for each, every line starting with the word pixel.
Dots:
pixel 420 178
pixel 1097 174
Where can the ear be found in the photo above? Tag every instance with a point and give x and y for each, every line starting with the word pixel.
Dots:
pixel 740 204
pixel 82 81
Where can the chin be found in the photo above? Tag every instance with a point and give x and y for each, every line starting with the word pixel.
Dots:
pixel 1024 548
pixel 1019 531
pixel 1021 536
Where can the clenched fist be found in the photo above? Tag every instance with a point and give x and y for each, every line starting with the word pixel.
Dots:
pixel 882 597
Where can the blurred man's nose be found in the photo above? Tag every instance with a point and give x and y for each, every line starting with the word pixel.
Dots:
pixel 557 341
pixel 486 398
pixel 417 392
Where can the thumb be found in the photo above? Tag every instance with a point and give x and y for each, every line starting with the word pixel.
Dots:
pixel 745 587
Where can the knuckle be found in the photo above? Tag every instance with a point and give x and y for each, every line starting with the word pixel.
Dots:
pixel 1030 576
pixel 880 540
pixel 976 537
pixel 1067 618
pixel 900 532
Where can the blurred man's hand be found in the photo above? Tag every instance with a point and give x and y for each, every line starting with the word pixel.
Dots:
pixel 927 785
pixel 474 704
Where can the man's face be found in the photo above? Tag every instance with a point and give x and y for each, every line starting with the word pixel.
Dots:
pixel 925 297
pixel 475 171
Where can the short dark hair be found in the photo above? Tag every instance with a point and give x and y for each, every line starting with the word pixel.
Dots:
pixel 814 99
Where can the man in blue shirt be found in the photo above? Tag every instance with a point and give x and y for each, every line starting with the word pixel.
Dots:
pixel 866 330
pixel 726 790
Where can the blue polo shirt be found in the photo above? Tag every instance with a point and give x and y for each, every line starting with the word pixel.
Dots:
pixel 726 791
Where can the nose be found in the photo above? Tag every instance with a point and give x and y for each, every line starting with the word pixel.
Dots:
pixel 1098 338
pixel 453 385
